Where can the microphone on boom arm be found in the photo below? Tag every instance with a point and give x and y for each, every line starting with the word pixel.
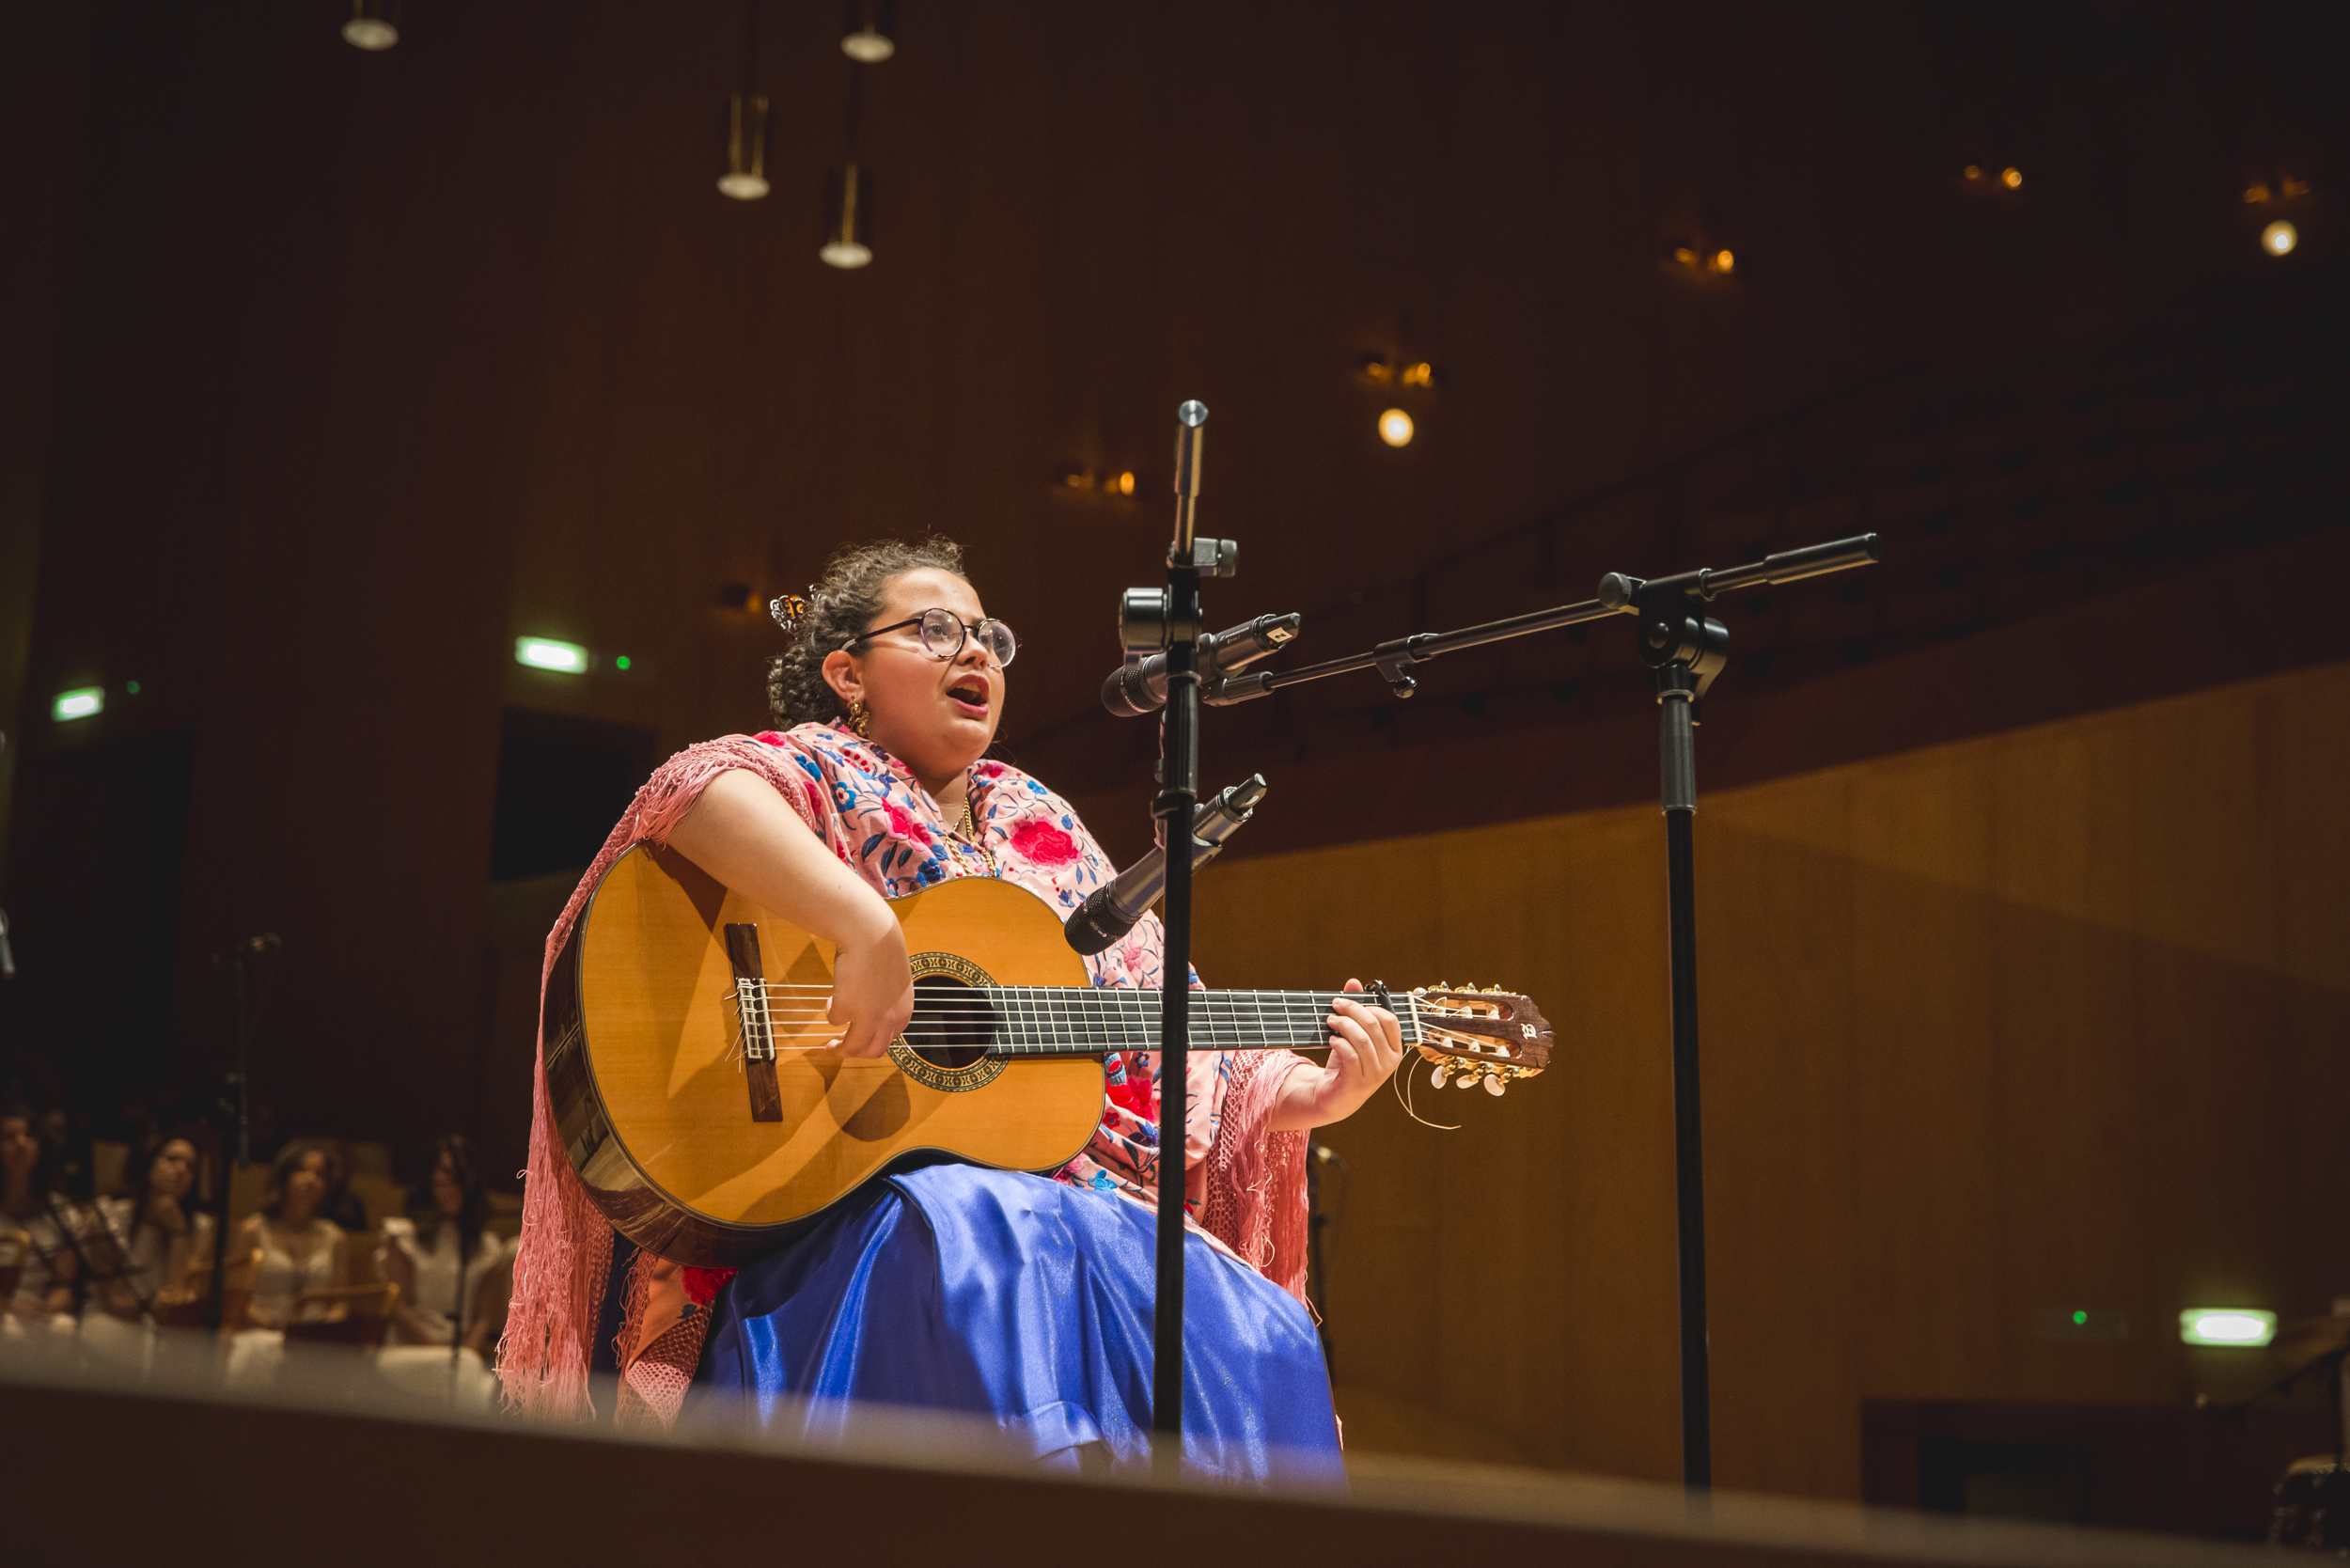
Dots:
pixel 245 948
pixel 1139 686
pixel 1117 904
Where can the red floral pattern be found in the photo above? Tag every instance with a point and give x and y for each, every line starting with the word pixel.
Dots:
pixel 1043 844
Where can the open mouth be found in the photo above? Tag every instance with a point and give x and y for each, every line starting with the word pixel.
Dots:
pixel 971 696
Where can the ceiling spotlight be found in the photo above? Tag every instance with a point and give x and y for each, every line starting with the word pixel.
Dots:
pixel 1395 428
pixel 1972 171
pixel 868 35
pixel 746 179
pixel 1723 261
pixel 2011 177
pixel 848 219
pixel 2280 238
pixel 370 27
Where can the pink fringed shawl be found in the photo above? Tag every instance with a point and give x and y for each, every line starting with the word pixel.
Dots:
pixel 1254 1201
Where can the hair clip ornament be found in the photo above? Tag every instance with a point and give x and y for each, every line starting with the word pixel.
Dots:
pixel 791 610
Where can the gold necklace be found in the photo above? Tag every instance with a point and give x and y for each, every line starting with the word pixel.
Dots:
pixel 968 830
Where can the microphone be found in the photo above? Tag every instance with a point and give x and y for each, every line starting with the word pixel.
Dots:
pixel 1114 907
pixel 1139 686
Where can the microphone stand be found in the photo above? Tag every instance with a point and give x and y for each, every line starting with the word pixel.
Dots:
pixel 1686 649
pixel 238 959
pixel 1168 620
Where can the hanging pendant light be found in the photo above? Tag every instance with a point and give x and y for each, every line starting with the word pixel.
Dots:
pixel 869 31
pixel 746 179
pixel 374 25
pixel 847 218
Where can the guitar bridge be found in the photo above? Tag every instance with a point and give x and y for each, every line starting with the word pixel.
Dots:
pixel 759 1030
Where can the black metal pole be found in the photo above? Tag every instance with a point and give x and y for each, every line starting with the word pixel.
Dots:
pixel 1676 699
pixel 215 1297
pixel 1177 802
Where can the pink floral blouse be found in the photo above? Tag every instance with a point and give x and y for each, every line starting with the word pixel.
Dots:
pixel 873 814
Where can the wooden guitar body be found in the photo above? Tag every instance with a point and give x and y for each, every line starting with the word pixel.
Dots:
pixel 698 1154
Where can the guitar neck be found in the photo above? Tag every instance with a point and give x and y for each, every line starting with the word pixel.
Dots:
pixel 1059 1021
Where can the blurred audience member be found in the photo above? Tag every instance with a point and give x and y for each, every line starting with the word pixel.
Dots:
pixel 426 1254
pixel 154 1226
pixel 344 1206
pixel 44 1284
pixel 301 1249
pixel 65 1139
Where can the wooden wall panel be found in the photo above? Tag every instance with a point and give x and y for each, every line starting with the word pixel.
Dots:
pixel 2052 1018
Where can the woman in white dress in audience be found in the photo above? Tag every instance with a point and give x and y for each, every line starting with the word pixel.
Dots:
pixel 428 1256
pixel 301 1250
pixel 425 1254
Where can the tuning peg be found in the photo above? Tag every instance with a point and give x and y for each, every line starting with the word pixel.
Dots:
pixel 1468 1079
pixel 1495 1087
pixel 1437 1077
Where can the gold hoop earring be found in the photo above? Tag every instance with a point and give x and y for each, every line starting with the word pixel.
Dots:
pixel 859 720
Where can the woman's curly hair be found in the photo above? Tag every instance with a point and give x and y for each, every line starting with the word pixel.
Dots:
pixel 840 603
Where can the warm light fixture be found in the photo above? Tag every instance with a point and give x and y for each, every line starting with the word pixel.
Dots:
pixel 2288 189
pixel 79 703
pixel 868 33
pixel 1395 428
pixel 1125 482
pixel 848 219
pixel 2242 1326
pixel 1972 171
pixel 746 179
pixel 2011 177
pixel 1418 374
pixel 372 26
pixel 568 658
pixel 1703 255
pixel 2280 238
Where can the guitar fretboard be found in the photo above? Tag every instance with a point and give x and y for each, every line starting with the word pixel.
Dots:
pixel 1047 1020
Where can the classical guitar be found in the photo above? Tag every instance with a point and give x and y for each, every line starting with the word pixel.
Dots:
pixel 696 1095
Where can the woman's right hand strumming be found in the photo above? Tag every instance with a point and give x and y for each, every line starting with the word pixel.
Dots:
pixel 873 991
pixel 740 831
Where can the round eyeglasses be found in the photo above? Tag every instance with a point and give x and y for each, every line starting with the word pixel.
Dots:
pixel 944 634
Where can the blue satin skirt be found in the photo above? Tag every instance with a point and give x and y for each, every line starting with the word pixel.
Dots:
pixel 1029 1302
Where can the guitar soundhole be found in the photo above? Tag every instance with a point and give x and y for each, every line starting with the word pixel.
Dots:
pixel 952 1024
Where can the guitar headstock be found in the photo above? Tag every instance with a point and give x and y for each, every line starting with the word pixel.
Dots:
pixel 1489 1037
